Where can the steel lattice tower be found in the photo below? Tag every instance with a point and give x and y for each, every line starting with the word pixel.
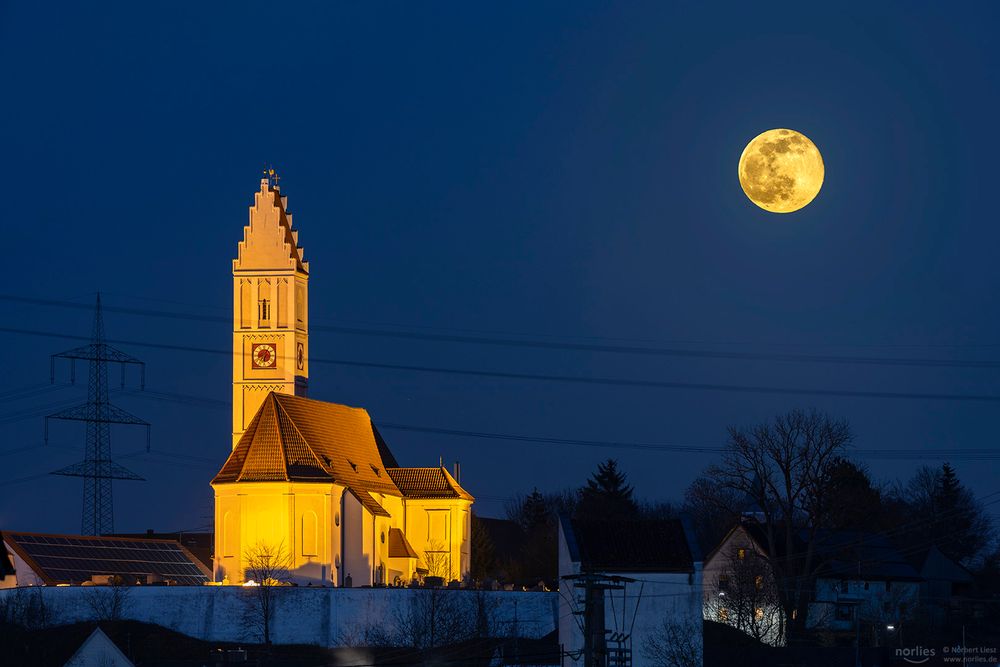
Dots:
pixel 97 468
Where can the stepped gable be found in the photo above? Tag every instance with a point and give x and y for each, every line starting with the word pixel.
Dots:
pixel 296 439
pixel 269 240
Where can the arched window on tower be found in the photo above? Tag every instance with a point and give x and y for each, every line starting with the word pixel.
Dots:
pixel 264 303
pixel 281 303
pixel 246 304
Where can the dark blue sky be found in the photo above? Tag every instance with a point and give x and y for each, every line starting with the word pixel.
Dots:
pixel 561 171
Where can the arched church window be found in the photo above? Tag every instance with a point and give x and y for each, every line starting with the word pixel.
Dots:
pixel 228 535
pixel 310 538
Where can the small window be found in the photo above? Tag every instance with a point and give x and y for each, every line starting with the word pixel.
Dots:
pixel 264 310
pixel 845 612
pixel 759 582
pixel 888 586
pixel 741 553
pixel 723 614
pixel 758 614
pixel 866 585
pixel 723 582
pixel 354 466
pixel 378 473
pixel 844 586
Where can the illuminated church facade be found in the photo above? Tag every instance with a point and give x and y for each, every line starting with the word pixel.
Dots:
pixel 311 480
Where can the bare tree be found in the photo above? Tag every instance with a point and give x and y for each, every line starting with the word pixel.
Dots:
pixel 111 602
pixel 676 644
pixel 266 571
pixel 784 467
pixel 438 560
pixel 746 598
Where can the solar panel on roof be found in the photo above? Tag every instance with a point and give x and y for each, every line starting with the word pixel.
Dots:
pixel 66 558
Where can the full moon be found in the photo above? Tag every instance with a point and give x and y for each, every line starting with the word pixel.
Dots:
pixel 781 170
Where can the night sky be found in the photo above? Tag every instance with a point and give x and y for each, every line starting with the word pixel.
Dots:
pixel 549 172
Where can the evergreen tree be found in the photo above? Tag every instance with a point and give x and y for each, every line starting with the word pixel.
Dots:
pixel 960 524
pixel 484 561
pixel 607 495
pixel 534 513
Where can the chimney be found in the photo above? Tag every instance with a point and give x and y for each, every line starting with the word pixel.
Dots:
pixel 458 472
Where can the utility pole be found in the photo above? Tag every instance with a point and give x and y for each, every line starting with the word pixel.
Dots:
pixel 97 469
pixel 595 644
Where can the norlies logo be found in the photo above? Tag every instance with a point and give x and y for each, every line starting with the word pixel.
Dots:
pixel 916 655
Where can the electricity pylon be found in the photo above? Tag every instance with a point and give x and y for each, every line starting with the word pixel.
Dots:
pixel 97 469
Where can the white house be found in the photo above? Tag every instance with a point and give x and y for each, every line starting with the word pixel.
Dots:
pixel 98 651
pixel 861 583
pixel 638 575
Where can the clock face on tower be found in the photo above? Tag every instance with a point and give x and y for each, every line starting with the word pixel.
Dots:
pixel 263 355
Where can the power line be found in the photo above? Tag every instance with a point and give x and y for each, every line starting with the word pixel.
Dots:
pixel 554 345
pixel 567 379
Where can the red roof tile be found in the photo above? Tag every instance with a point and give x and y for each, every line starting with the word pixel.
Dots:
pixel 427 483
pixel 297 439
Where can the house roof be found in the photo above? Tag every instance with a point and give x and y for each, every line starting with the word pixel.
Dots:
pixel 427 483
pixel 842 554
pixel 74 559
pixel 95 649
pixel 399 546
pixel 6 565
pixel 936 566
pixel 297 439
pixel 639 545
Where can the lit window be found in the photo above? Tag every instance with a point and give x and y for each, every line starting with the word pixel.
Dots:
pixel 758 614
pixel 741 553
pixel 723 614
pixel 759 582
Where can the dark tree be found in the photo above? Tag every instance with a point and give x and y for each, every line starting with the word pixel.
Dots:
pixel 784 467
pixel 853 501
pixel 607 495
pixel 714 510
pixel 537 517
pixel 535 512
pixel 944 513
pixel 484 560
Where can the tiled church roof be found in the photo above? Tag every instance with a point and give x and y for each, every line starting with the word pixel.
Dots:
pixel 297 439
pixel 427 483
pixel 399 546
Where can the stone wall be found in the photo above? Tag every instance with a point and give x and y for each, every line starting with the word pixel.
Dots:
pixel 322 616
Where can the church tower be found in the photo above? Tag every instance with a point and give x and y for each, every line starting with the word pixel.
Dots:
pixel 270 309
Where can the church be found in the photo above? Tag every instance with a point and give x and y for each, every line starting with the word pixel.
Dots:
pixel 310 480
